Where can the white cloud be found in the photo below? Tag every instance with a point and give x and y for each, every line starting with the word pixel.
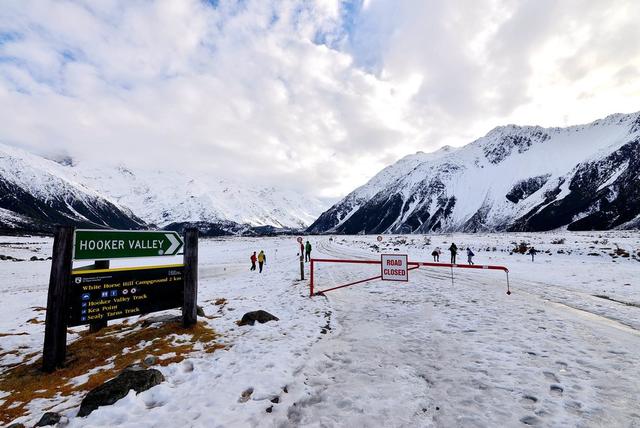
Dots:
pixel 315 96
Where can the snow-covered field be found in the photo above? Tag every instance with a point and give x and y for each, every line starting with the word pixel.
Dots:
pixel 561 350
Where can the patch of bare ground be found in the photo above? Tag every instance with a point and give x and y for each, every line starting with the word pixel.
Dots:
pixel 26 382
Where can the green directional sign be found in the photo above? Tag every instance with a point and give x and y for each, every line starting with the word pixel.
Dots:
pixel 117 244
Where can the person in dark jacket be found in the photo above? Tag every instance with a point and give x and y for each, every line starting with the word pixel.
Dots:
pixel 436 254
pixel 454 251
pixel 307 251
pixel 533 252
pixel 470 256
pixel 253 261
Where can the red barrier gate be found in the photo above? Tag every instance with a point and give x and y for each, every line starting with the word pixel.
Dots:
pixel 411 266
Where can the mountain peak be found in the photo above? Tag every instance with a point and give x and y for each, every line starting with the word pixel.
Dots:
pixel 513 178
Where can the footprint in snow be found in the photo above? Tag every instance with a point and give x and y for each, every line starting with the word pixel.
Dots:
pixel 531 420
pixel 556 390
pixel 551 377
pixel 574 407
pixel 528 401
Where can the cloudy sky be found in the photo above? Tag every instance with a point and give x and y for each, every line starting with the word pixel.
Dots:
pixel 312 95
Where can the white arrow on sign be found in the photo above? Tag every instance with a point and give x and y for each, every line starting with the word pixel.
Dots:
pixel 174 243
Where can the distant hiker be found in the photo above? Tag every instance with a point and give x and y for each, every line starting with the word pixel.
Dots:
pixel 532 252
pixel 253 261
pixel 436 254
pixel 262 259
pixel 307 251
pixel 454 252
pixel 470 256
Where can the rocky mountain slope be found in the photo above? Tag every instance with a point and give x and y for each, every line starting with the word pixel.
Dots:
pixel 36 193
pixel 516 178
pixel 34 196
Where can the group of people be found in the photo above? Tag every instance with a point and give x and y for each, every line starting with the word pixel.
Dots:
pixel 261 258
pixel 453 249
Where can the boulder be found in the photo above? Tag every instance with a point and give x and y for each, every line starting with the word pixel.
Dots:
pixel 49 418
pixel 200 311
pixel 135 378
pixel 164 318
pixel 35 259
pixel 260 316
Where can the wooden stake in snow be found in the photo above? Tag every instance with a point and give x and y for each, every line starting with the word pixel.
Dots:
pixel 299 239
pixel 190 305
pixel 55 329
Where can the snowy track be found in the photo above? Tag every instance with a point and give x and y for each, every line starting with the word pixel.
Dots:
pixel 429 354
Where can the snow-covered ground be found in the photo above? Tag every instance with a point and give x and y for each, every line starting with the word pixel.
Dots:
pixel 561 350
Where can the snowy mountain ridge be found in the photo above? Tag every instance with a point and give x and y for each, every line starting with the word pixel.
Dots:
pixel 514 178
pixel 38 192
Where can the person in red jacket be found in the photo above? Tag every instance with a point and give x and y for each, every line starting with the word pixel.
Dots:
pixel 253 261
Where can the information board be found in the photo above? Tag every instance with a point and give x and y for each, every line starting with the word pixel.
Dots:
pixel 98 295
pixel 394 267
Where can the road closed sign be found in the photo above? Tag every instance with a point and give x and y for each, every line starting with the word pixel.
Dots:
pixel 395 267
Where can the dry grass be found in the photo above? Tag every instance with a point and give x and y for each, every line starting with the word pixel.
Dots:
pixel 26 382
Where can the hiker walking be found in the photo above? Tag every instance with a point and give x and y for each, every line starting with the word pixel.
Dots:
pixel 262 259
pixel 253 261
pixel 470 256
pixel 533 252
pixel 436 254
pixel 307 251
pixel 454 252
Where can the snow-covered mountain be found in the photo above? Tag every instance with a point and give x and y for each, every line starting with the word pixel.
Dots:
pixel 36 193
pixel 518 178
pixel 165 197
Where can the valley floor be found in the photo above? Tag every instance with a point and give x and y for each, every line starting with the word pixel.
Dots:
pixel 561 350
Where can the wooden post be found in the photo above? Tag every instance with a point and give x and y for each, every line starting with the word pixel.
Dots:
pixel 311 279
pixel 55 325
pixel 301 261
pixel 190 305
pixel 99 325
